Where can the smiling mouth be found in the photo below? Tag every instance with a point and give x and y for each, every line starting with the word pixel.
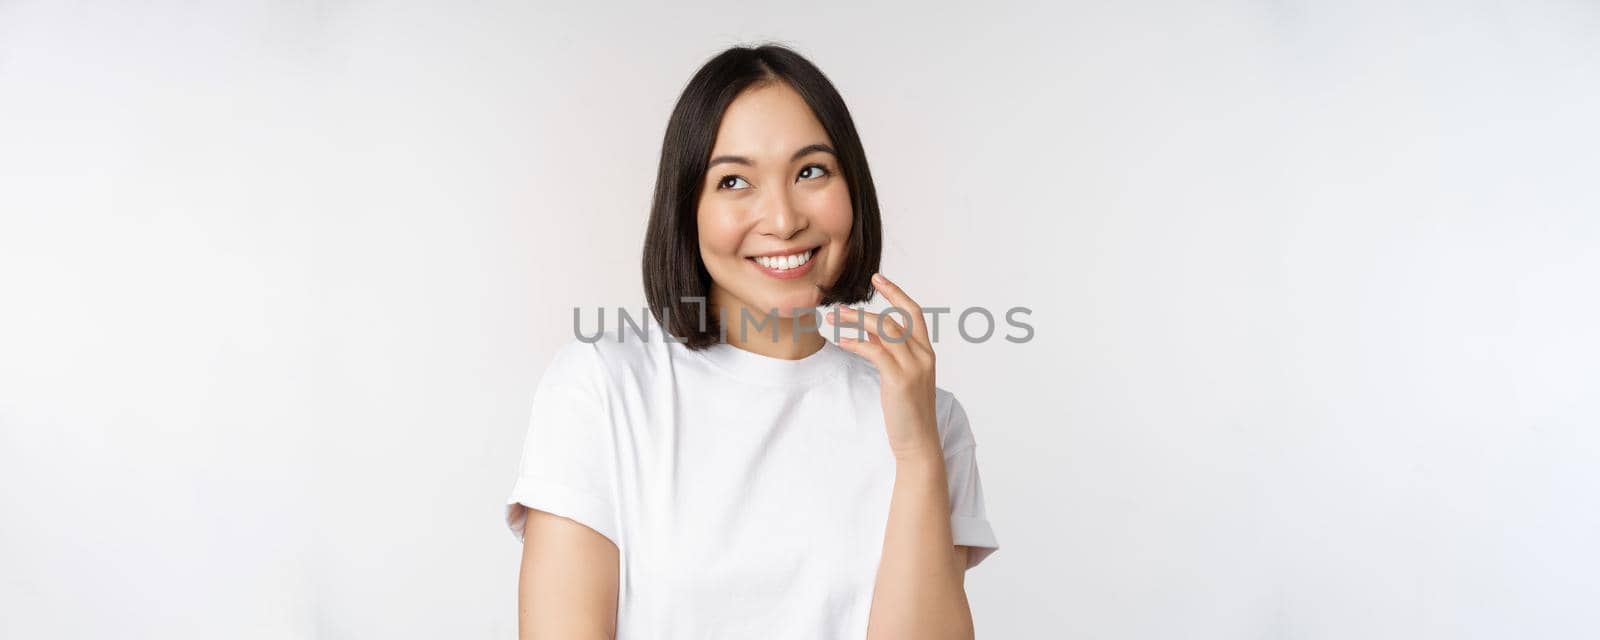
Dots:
pixel 786 266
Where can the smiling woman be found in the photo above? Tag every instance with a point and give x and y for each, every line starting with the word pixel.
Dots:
pixel 728 483
pixel 761 159
pixel 774 206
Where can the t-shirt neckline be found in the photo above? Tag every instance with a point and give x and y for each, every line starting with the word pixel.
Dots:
pixel 753 366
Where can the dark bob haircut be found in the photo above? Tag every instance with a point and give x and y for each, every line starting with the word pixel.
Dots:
pixel 676 282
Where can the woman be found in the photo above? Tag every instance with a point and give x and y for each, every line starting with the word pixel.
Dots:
pixel 727 472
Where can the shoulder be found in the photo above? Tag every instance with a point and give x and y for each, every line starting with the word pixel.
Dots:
pixel 955 430
pixel 614 356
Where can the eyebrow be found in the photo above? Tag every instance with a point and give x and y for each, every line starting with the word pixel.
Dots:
pixel 810 148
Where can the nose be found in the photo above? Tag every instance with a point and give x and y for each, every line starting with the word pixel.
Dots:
pixel 780 218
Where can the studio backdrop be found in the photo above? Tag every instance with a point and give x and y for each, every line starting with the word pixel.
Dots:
pixel 1311 289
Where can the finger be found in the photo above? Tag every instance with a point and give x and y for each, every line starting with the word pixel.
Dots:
pixel 884 329
pixel 898 298
pixel 874 352
pixel 880 324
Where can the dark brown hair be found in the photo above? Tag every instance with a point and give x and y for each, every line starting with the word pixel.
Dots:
pixel 674 273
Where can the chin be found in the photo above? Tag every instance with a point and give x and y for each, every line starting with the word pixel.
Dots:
pixel 786 304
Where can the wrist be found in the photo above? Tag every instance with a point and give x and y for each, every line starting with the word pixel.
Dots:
pixel 926 454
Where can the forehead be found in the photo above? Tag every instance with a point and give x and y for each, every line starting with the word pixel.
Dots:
pixel 768 122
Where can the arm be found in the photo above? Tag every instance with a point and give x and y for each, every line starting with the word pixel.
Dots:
pixel 920 591
pixel 568 584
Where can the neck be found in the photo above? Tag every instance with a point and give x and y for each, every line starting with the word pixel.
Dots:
pixel 784 337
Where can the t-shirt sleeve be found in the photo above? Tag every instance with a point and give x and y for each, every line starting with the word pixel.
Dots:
pixel 969 520
pixel 568 464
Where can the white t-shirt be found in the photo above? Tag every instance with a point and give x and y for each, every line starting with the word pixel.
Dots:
pixel 747 495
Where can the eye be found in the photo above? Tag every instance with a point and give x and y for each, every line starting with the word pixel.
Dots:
pixel 818 172
pixel 728 182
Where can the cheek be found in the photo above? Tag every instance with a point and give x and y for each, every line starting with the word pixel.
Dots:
pixel 719 229
pixel 833 213
pixel 830 209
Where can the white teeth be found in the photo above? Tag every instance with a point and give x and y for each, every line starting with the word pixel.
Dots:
pixel 785 263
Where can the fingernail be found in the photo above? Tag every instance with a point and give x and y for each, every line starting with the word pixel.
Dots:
pixel 878 277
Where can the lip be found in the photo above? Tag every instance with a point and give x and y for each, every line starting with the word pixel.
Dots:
pixel 788 274
pixel 783 252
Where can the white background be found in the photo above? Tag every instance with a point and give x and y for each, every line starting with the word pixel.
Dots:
pixel 1313 286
